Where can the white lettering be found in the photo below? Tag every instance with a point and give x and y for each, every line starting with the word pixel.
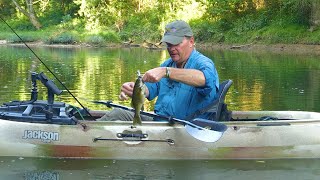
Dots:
pixel 44 136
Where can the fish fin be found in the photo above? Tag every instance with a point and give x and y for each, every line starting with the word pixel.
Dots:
pixel 136 120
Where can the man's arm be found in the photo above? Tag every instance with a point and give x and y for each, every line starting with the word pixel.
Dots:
pixel 191 77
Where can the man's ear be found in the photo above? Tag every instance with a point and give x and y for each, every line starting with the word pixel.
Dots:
pixel 192 40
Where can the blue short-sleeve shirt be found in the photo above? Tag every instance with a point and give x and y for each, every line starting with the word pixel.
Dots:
pixel 179 100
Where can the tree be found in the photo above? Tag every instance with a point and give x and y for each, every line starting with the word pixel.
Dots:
pixel 315 14
pixel 29 12
pixel 6 8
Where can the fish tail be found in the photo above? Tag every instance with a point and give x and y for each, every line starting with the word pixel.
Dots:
pixel 137 119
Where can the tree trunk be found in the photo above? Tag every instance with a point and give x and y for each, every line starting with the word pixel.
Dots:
pixel 34 20
pixel 29 12
pixel 315 15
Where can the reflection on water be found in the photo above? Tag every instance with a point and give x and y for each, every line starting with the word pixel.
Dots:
pixel 54 169
pixel 94 74
pixel 48 175
pixel 266 81
pixel 261 82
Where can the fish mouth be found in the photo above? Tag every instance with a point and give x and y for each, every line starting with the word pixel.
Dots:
pixel 138 73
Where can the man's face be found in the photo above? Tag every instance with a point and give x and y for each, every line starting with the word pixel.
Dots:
pixel 180 53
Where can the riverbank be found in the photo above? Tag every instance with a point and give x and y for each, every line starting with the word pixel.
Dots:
pixel 40 43
pixel 302 49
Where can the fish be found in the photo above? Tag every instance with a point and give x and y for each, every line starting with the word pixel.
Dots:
pixel 138 98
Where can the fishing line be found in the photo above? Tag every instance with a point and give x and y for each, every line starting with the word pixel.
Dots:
pixel 65 87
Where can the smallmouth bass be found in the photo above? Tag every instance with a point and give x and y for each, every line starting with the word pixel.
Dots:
pixel 138 98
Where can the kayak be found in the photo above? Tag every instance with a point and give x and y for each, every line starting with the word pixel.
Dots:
pixel 293 135
pixel 46 128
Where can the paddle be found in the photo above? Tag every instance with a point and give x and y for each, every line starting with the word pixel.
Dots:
pixel 201 129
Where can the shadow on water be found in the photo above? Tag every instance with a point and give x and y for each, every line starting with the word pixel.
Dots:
pixel 54 169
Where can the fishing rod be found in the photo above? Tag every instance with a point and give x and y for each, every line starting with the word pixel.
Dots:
pixel 65 87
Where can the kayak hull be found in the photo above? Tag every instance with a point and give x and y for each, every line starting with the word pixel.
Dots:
pixel 293 135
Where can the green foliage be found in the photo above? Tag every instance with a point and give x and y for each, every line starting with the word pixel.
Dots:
pixel 6 8
pixel 4 35
pixel 62 38
pixel 294 11
pixel 51 17
pixel 229 9
pixel 3 28
pixel 73 24
pixel 26 37
pixel 95 40
pixel 230 21
pixel 290 34
pixel 102 38
pixel 205 31
pixel 311 38
pixel 251 22
pixel 110 36
pixel 21 25
pixel 142 26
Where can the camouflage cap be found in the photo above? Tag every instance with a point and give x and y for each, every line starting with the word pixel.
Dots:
pixel 176 31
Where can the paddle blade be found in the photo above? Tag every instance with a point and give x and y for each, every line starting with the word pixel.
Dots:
pixel 210 131
pixel 203 134
pixel 209 124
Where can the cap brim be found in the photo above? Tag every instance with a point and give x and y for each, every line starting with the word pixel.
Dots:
pixel 172 39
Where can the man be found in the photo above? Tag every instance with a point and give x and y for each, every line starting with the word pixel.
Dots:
pixel 186 82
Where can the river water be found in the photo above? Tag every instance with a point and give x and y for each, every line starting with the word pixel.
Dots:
pixel 261 81
pixel 56 169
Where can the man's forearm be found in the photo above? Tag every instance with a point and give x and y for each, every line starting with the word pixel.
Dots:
pixel 191 77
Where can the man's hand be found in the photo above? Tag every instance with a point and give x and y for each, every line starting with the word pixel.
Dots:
pixel 126 90
pixel 154 75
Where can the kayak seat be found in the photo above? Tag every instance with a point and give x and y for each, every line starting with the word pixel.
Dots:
pixel 217 110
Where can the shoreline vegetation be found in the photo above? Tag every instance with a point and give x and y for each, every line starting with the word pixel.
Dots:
pixel 280 26
pixel 299 49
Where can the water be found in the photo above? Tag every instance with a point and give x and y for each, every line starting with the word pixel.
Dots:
pixel 262 81
pixel 89 74
pixel 55 169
